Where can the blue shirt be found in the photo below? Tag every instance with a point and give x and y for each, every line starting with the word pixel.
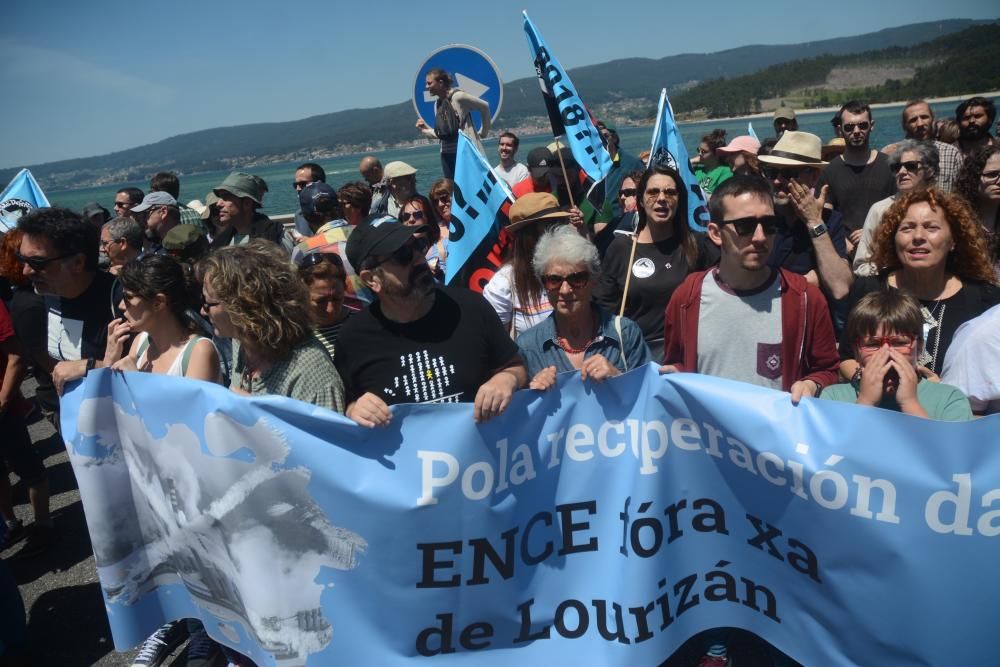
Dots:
pixel 540 348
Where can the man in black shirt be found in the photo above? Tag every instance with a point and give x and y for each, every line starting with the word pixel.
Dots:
pixel 59 250
pixel 419 343
pixel 860 177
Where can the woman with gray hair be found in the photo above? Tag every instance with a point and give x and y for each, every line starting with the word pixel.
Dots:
pixel 577 336
pixel 915 167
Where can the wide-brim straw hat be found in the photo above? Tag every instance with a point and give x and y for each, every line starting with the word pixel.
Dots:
pixel 535 207
pixel 800 149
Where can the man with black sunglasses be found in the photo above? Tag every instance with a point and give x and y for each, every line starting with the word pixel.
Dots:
pixel 784 339
pixel 860 177
pixel 59 250
pixel 811 239
pixel 419 343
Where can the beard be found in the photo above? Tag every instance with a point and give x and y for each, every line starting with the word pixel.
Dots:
pixel 972 132
pixel 419 283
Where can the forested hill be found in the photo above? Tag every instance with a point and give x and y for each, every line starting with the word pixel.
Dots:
pixel 951 65
pixel 622 90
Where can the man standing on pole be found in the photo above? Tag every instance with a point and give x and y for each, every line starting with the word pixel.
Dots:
pixel 452 114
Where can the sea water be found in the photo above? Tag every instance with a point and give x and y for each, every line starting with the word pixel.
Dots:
pixel 281 197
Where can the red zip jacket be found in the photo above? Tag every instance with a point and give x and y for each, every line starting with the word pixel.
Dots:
pixel 808 346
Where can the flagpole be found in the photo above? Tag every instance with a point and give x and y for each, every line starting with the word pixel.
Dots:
pixel 628 271
pixel 562 164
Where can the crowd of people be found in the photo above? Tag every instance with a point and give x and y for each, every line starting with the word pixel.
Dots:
pixel 833 270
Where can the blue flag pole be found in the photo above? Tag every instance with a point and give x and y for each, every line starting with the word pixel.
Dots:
pixel 567 113
pixel 668 149
pixel 750 131
pixel 20 196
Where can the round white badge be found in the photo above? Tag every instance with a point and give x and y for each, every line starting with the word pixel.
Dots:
pixel 643 268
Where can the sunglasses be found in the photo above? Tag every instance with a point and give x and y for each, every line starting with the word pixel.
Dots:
pixel 628 192
pixel 771 224
pixel 314 258
pixel 863 126
pixel 912 166
pixel 788 173
pixel 899 342
pixel 415 215
pixel 654 193
pixel 576 280
pixel 38 263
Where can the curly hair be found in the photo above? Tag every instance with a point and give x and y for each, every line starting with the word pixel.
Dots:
pixel 263 295
pixel 10 268
pixel 967 182
pixel 66 230
pixel 970 258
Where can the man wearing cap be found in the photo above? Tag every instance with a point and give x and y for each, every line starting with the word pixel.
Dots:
pixel 166 181
pixel 861 176
pixel 186 242
pixel 540 177
pixel 919 125
pixel 452 114
pixel 784 339
pixel 95 214
pixel 509 169
pixel 402 181
pixel 784 119
pixel 811 241
pixel 419 343
pixel 240 196
pixel 159 214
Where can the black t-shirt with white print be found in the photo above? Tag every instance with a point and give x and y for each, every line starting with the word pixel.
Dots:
pixel 443 357
pixel 78 327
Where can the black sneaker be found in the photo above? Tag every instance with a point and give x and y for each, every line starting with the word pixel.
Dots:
pixel 160 644
pixel 12 536
pixel 39 540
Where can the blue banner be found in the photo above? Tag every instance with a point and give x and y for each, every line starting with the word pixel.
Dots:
pixel 567 113
pixel 668 148
pixel 591 524
pixel 476 214
pixel 750 130
pixel 20 196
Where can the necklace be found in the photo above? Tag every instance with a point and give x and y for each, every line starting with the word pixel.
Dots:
pixel 563 342
pixel 932 322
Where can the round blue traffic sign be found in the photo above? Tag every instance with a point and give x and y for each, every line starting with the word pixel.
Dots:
pixel 471 70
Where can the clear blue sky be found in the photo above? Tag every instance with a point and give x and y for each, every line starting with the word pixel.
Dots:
pixel 88 78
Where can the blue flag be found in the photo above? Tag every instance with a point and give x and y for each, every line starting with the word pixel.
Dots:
pixel 477 216
pixel 668 148
pixel 567 113
pixel 591 524
pixel 20 196
pixel 750 130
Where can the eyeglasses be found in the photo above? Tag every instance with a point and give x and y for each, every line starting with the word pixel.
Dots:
pixel 298 185
pixel 210 304
pixel 404 255
pixel 105 244
pixel 38 263
pixel 576 280
pixel 771 224
pixel 912 166
pixel 313 258
pixel 899 342
pixel 863 126
pixel 990 176
pixel 628 192
pixel 416 215
pixel 772 172
pixel 654 193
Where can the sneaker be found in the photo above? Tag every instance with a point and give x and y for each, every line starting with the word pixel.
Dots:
pixel 12 536
pixel 39 540
pixel 160 644
pixel 202 650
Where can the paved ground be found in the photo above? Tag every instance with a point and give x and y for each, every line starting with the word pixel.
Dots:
pixel 67 624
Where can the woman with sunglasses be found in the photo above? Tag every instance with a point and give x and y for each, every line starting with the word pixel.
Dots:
pixel 417 211
pixel 577 336
pixel 886 332
pixel 625 223
pixel 642 270
pixel 979 182
pixel 931 244
pixel 324 275
pixel 914 165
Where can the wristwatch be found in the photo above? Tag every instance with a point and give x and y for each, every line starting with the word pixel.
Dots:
pixel 91 362
pixel 817 230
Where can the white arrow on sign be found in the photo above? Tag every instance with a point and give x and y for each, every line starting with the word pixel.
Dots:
pixel 471 86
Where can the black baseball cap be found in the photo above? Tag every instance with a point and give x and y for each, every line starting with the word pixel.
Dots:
pixel 378 237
